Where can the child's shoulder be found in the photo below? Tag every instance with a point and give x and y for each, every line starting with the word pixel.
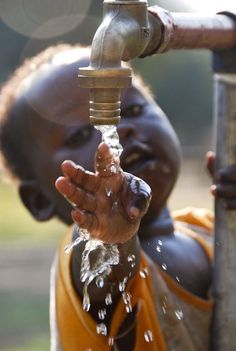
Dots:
pixel 186 255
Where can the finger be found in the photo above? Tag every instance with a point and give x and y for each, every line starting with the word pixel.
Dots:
pixel 106 164
pixel 80 176
pixel 75 195
pixel 210 162
pixel 226 191
pixel 85 220
pixel 140 198
pixel 227 174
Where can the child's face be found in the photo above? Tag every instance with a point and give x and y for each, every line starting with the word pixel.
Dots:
pixel 151 149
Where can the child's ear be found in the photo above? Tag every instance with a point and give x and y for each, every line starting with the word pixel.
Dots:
pixel 35 201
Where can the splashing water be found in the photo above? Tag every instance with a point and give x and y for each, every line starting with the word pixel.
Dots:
pixel 122 285
pixel 102 329
pixel 144 272
pixel 131 258
pixel 106 255
pixel 83 236
pixel 164 266
pixel 164 304
pixel 179 314
pixel 127 301
pixel 111 138
pixel 108 299
pixel 148 336
pixel 102 314
pixel 111 341
pixel 100 282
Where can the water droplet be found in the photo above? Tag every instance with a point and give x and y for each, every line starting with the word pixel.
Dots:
pixel 164 267
pixel 158 249
pixel 159 242
pixel 101 329
pixel 114 205
pixel 122 285
pixel 148 336
pixel 108 299
pixel 126 297
pixel 68 248
pixel 131 258
pixel 100 282
pixel 102 314
pixel 144 272
pixel 113 169
pixel 164 304
pixel 179 314
pixel 163 309
pixel 177 278
pixel 128 308
pixel 108 192
pixel 110 341
pixel 86 302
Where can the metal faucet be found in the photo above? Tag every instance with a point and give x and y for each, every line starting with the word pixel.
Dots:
pixel 130 29
pixel 122 36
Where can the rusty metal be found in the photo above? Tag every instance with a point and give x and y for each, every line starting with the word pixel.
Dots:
pixel 193 31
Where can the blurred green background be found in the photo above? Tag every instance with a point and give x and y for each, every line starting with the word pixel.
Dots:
pixel 182 84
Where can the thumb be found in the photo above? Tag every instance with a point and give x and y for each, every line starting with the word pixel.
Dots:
pixel 140 198
pixel 210 162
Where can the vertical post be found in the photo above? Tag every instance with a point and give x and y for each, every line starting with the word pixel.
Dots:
pixel 223 336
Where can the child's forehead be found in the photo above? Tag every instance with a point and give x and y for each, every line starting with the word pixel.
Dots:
pixel 57 74
pixel 54 88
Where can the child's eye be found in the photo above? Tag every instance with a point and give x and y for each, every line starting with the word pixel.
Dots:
pixel 132 111
pixel 80 136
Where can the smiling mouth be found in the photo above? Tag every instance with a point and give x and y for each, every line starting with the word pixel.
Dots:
pixel 136 160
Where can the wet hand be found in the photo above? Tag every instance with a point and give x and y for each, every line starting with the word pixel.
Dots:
pixel 225 182
pixel 108 203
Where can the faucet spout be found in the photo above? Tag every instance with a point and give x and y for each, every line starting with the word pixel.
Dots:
pixel 123 35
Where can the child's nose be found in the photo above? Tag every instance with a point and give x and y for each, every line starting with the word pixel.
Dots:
pixel 126 131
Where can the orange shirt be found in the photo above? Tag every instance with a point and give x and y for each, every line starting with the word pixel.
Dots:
pixel 168 316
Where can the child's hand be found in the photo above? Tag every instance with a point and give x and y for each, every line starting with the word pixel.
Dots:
pixel 108 203
pixel 225 182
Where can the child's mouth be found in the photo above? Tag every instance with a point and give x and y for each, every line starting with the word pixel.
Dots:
pixel 137 158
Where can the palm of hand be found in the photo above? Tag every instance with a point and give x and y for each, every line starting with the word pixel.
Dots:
pixel 108 203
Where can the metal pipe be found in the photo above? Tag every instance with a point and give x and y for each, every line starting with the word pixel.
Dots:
pixel 224 282
pixel 128 30
pixel 192 31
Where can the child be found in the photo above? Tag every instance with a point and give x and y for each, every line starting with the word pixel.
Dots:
pixel 157 297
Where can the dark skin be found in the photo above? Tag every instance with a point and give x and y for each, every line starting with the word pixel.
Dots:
pixel 61 131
